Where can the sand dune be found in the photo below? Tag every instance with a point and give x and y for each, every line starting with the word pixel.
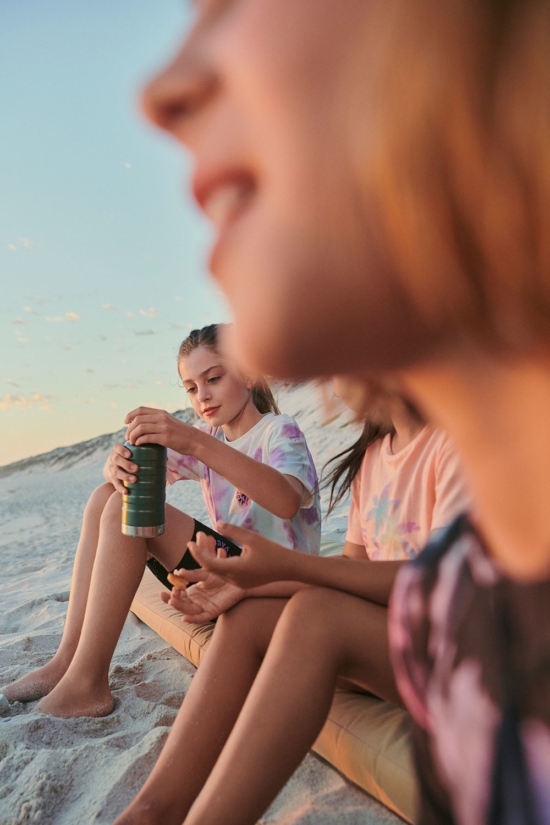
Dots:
pixel 87 770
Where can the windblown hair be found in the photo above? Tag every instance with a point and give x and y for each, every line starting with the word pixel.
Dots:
pixel 458 171
pixel 208 336
pixel 341 476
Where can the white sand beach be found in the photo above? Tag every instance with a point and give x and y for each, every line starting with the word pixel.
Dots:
pixel 87 770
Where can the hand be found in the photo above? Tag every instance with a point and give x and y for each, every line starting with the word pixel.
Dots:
pixel 209 597
pixel 119 468
pixel 149 426
pixel 262 561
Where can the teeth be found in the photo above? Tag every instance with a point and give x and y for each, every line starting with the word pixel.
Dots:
pixel 224 202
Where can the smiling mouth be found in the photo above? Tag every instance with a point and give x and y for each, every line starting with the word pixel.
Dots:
pixel 222 197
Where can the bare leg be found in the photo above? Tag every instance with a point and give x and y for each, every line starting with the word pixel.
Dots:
pixel 322 634
pixel 211 706
pixel 38 683
pixel 119 564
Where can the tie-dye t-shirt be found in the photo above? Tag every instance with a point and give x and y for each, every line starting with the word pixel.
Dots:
pixel 399 500
pixel 275 440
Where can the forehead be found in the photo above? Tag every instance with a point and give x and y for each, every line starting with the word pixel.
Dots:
pixel 199 361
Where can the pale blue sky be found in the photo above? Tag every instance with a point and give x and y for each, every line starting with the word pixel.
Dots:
pixel 102 253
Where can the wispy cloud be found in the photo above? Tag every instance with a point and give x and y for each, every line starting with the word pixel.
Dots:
pixel 21 243
pixel 20 321
pixel 11 382
pixel 108 307
pixel 144 332
pixel 59 319
pixel 26 402
pixel 149 313
pixel 32 311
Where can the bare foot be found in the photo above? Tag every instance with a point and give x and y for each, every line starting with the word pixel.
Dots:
pixel 71 698
pixel 35 685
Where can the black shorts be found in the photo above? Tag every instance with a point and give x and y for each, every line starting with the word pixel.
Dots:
pixel 187 561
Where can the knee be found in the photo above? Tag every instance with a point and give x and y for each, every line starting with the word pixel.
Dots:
pixel 97 501
pixel 112 509
pixel 244 623
pixel 306 617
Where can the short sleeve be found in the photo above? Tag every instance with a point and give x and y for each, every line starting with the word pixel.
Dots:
pixel 288 453
pixel 451 492
pixel 355 534
pixel 183 467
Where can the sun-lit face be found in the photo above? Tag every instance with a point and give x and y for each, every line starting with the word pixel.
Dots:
pixel 217 394
pixel 270 98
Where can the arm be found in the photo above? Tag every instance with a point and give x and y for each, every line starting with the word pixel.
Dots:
pixel 263 562
pixel 281 494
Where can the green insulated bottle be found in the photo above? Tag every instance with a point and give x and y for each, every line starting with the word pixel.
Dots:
pixel 143 504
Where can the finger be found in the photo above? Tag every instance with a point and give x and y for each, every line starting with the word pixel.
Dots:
pixel 221 553
pixel 222 567
pixel 121 450
pixel 203 548
pixel 238 534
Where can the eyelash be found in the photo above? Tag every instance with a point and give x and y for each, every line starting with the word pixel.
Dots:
pixel 212 380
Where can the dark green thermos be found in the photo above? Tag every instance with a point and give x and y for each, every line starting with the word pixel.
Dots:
pixel 143 504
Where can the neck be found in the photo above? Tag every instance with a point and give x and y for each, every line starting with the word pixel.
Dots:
pixel 406 428
pixel 243 421
pixel 498 414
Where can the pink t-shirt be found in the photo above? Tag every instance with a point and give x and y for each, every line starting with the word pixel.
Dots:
pixel 399 500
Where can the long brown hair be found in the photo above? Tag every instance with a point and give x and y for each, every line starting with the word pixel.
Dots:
pixel 208 336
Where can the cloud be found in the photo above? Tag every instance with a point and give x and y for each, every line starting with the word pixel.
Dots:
pixel 20 321
pixel 149 313
pixel 21 243
pixel 109 307
pixel 127 165
pixel 11 382
pixel 129 314
pixel 69 316
pixel 22 402
pixel 32 311
pixel 144 332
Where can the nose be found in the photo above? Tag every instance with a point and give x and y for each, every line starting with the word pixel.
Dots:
pixel 204 393
pixel 178 91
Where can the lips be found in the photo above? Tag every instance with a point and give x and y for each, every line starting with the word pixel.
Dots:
pixel 210 410
pixel 222 196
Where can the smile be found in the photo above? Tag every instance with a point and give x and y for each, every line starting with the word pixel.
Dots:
pixel 222 197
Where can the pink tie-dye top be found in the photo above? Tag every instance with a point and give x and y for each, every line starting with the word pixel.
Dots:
pixel 399 500
pixel 275 440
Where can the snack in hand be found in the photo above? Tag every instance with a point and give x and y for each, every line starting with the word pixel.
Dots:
pixel 177 581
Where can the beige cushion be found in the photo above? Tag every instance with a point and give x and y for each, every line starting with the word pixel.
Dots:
pixel 369 741
pixel 364 738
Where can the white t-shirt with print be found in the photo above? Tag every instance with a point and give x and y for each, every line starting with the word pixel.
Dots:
pixel 275 440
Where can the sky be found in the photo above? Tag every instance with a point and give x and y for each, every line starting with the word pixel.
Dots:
pixel 102 251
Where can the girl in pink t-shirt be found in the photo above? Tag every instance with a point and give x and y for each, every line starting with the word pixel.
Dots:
pixel 273 663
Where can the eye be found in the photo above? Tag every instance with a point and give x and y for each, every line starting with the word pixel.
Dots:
pixel 213 379
pixel 190 390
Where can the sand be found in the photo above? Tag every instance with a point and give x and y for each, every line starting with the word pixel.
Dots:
pixel 87 770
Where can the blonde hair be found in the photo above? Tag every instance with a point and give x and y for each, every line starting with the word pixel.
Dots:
pixel 458 173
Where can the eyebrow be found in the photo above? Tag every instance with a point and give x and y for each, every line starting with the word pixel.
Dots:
pixel 205 372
